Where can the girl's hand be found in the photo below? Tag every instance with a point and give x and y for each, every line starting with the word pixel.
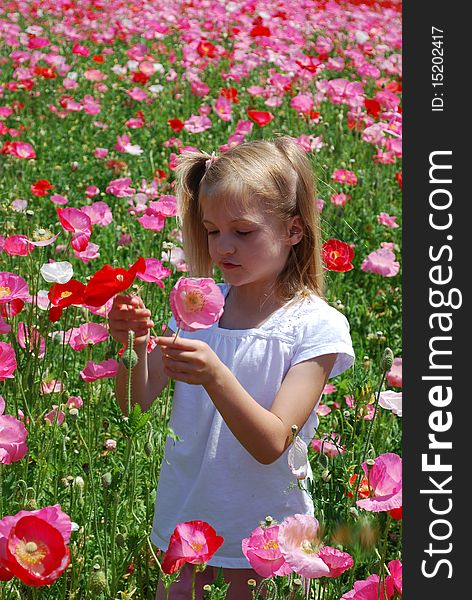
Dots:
pixel 129 312
pixel 187 360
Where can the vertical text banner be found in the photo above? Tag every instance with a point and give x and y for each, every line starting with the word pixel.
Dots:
pixel 437 332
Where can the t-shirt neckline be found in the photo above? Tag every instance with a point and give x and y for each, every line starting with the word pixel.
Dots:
pixel 261 327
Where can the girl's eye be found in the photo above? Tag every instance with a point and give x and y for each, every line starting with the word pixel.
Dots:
pixel 211 232
pixel 243 232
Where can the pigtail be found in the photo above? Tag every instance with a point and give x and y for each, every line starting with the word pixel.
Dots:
pixel 305 259
pixel 189 173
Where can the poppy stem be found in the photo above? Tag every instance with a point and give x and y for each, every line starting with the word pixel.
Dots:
pixel 194 572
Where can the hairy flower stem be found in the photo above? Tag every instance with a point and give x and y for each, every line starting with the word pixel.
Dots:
pixel 369 433
pixel 129 348
pixel 194 572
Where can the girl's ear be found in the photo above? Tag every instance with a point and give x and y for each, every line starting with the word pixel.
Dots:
pixel 295 230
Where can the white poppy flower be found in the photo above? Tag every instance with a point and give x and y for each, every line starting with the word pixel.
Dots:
pixel 391 401
pixel 57 272
pixel 298 459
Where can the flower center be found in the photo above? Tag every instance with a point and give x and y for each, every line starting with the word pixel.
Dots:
pixel 194 301
pixel 4 291
pixel 41 235
pixel 29 554
pixel 334 254
pixel 197 547
pixel 270 545
pixel 66 294
pixel 119 277
pixel 310 547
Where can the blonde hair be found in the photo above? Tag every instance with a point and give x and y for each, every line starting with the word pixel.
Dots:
pixel 276 174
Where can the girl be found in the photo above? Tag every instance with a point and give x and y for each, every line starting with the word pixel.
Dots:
pixel 242 383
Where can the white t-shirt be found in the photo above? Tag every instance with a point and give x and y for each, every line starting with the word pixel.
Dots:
pixel 209 475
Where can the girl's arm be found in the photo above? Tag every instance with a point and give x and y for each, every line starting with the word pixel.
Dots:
pixel 264 433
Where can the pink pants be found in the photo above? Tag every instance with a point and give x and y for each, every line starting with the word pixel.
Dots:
pixel 182 589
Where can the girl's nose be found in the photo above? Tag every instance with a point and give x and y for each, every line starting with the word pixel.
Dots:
pixel 225 246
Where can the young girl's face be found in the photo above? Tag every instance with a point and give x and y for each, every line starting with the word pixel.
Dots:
pixel 248 246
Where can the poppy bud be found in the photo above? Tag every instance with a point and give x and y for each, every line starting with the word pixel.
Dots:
pixel 130 358
pixel 297 583
pixel 98 580
pixel 120 540
pixel 106 480
pixel 387 360
pixel 323 460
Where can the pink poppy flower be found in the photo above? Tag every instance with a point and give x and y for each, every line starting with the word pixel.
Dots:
pixel 382 262
pixel 17 245
pixel 387 220
pixel 74 402
pixel 76 221
pixel 30 338
pixel 93 371
pixel 21 150
pixel 100 152
pixel 52 386
pixel 329 444
pixel 137 94
pixel 58 199
pixel 55 415
pixel 196 303
pixel 304 552
pixel 371 589
pixel 261 549
pixel 396 571
pixel 99 213
pixel 394 376
pixel 7 361
pixel 86 334
pixel 366 411
pixel 12 287
pixel 329 388
pixel 90 253
pixel 43 535
pixel 302 103
pixel 197 124
pixel 120 188
pixel 391 400
pixel 91 191
pixel 385 483
pixel 339 199
pixel 223 108
pixel 12 438
pixel 192 542
pixel 344 176
pixel 155 272
pixel 322 409
pixel 4 326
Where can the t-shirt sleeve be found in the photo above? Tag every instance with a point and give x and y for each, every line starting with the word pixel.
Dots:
pixel 171 324
pixel 325 331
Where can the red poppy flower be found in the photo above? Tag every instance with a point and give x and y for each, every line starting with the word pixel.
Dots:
pixel 230 94
pixel 399 178
pixel 260 30
pixel 45 72
pixel 192 542
pixel 261 117
pixel 396 513
pixel 372 107
pixel 18 149
pixel 139 77
pixel 207 49
pixel 337 256
pixel 98 58
pixel 80 224
pixel 35 551
pixel 41 187
pixel 64 294
pixel 175 124
pixel 109 281
pixel 363 491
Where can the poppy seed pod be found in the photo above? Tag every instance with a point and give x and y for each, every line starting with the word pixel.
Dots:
pixel 130 358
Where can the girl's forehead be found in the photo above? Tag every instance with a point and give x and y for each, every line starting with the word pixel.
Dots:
pixel 228 208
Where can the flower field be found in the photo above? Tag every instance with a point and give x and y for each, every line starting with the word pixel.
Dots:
pixel 97 101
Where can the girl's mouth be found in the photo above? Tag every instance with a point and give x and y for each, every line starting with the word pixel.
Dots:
pixel 226 265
